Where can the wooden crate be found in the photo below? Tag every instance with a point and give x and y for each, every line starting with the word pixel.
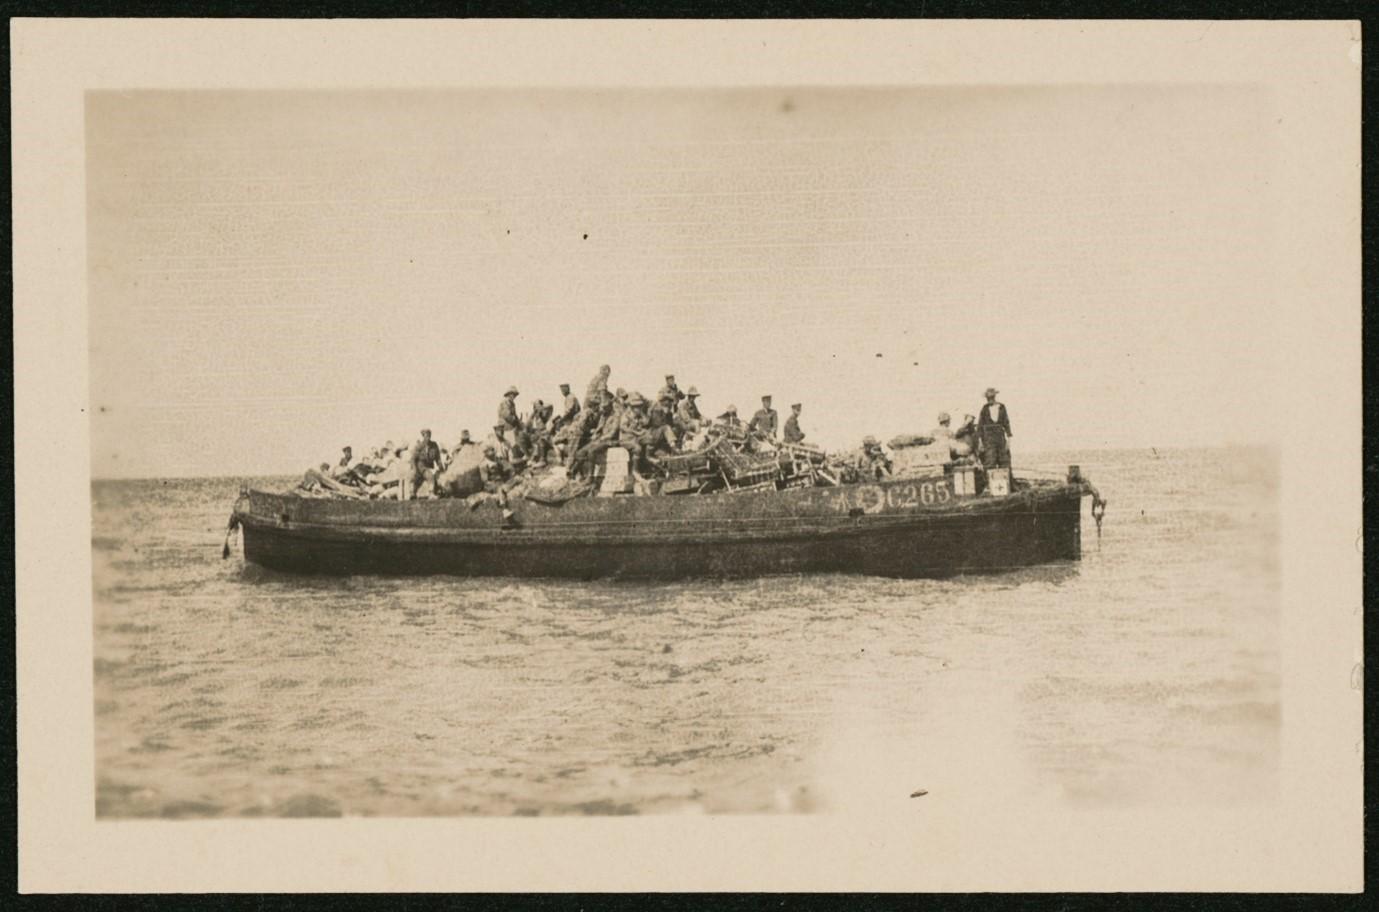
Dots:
pixel 686 463
pixel 748 468
pixel 680 484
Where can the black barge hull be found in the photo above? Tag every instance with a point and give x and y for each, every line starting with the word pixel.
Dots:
pixel 895 528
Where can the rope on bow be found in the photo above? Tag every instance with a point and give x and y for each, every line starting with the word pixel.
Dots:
pixel 229 531
pixel 1098 509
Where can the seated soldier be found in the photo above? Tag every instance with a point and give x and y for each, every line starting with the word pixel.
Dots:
pixel 343 471
pixel 671 390
pixel 498 477
pixel 576 433
pixel 658 435
pixel 315 478
pixel 494 470
pixel 730 420
pixel 964 444
pixel 873 465
pixel 688 420
pixel 426 463
pixel 658 440
pixel 569 408
pixel 632 426
pixel 605 435
pixel 397 474
pixel 661 412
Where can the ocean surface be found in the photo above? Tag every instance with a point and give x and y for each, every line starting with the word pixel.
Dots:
pixel 1145 674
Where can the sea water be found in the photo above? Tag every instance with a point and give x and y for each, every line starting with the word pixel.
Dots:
pixel 1147 672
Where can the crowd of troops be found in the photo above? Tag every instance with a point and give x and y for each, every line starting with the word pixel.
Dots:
pixel 574 432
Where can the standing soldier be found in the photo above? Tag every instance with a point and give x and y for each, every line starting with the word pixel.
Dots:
pixel 538 432
pixel 764 421
pixel 993 428
pixel 507 417
pixel 793 434
pixel 597 386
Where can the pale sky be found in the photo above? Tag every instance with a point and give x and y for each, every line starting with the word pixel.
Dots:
pixel 274 275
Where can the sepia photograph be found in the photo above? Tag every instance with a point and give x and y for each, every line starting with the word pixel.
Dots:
pixel 337 319
pixel 648 451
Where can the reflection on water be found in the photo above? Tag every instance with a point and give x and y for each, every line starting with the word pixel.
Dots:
pixel 1146 673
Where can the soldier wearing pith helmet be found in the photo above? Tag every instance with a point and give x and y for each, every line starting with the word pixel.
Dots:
pixel 687 416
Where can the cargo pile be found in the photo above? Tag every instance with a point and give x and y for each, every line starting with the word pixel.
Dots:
pixel 618 442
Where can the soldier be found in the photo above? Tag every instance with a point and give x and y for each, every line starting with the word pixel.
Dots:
pixel 498 441
pixel 577 432
pixel 672 390
pixel 605 435
pixel 465 441
pixel 965 439
pixel 656 440
pixel 793 434
pixel 633 421
pixel 498 477
pixel 687 417
pixel 597 386
pixel 494 470
pixel 729 419
pixel 942 432
pixel 639 435
pixel 631 427
pixel 764 421
pixel 538 432
pixel 343 471
pixel 619 402
pixel 661 414
pixel 507 416
pixel 610 413
pixel 569 408
pixel 426 460
pixel 873 465
pixel 993 428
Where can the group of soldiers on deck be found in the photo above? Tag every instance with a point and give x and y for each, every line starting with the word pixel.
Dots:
pixel 648 429
pixel 982 439
pixel 575 432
